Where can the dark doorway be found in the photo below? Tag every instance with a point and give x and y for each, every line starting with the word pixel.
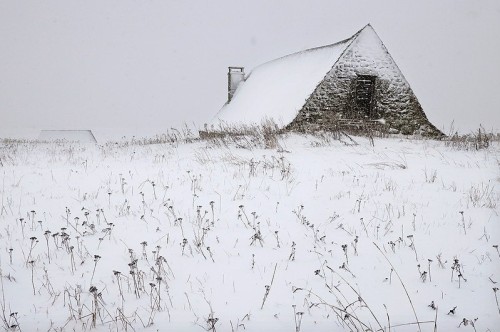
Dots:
pixel 365 88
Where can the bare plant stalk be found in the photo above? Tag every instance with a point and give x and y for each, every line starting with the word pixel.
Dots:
pixel 495 289
pixel 414 323
pixel 96 259
pixel 268 287
pixel 298 322
pixel 32 263
pixel 34 241
pixel 4 318
pixel 429 268
pixel 463 222
pixel 359 296
pixel 402 284
pixel 3 194
pixel 388 318
pixel 47 234
pixel 436 321
pixel 339 310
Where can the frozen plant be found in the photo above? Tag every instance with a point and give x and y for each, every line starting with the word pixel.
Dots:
pixel 495 290
pixel 496 248
pixel 34 242
pixel 96 259
pixel 466 322
pixel 47 235
pixel 452 311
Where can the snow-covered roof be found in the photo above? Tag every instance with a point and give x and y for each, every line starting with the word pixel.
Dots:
pixel 278 89
pixel 82 136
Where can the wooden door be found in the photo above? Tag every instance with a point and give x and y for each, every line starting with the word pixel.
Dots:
pixel 365 88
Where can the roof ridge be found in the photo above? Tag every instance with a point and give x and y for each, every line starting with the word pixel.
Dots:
pixel 305 51
pixel 354 36
pixel 347 41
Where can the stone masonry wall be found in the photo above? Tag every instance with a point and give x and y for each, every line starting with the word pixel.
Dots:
pixel 394 101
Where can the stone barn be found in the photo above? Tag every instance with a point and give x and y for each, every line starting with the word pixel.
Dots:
pixel 354 82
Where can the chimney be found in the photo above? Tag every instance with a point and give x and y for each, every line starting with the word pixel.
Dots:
pixel 235 76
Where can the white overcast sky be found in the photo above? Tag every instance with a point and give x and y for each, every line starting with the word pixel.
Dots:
pixel 146 65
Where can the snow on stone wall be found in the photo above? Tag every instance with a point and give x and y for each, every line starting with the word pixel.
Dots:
pixel 394 101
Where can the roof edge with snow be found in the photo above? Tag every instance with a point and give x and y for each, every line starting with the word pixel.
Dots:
pixel 278 89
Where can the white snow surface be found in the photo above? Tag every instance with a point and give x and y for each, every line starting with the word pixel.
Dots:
pixel 278 89
pixel 205 227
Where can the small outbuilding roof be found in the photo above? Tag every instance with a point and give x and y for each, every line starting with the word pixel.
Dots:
pixel 82 136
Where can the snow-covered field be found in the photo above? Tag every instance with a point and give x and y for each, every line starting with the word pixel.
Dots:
pixel 314 235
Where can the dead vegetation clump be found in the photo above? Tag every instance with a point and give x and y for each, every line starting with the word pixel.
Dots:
pixel 264 135
pixel 478 140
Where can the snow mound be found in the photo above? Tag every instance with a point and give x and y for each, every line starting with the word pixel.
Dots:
pixel 278 89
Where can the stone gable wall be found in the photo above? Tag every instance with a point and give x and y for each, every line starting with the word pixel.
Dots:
pixel 394 101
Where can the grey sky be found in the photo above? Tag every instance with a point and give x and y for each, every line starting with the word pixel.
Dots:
pixel 147 65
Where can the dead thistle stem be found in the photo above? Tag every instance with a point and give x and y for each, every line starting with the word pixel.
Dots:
pixel 297 328
pixel 388 318
pixel 402 284
pixel 429 268
pixel 213 213
pixel 364 227
pixel 96 259
pixel 298 322
pixel 47 235
pixel 34 242
pixel 268 287
pixel 124 320
pixel 344 249
pixel 412 246
pixel 414 323
pixel 358 295
pixel 72 262
pixel 95 305
pixel 3 194
pixel 495 290
pixel 117 274
pixel 4 318
pixel 21 221
pixel 440 262
pixel 241 213
pixel 466 322
pixel 496 247
pixel 158 280
pixel 14 326
pixel 277 239
pixel 292 254
pixel 154 189
pixel 211 321
pixel 32 263
pixel 339 310
pixel 436 320
pixel 33 213
pixel 463 222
